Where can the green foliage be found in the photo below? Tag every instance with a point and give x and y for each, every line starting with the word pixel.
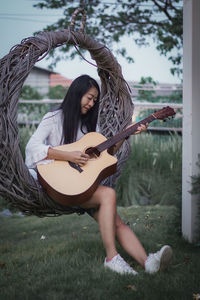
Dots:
pixel 30 93
pixel 109 21
pixel 25 133
pixel 57 92
pixel 4 204
pixel 144 94
pixel 174 97
pixel 152 174
pixel 196 180
pixel 68 263
pixel 149 95
pixel 196 191
pixel 32 112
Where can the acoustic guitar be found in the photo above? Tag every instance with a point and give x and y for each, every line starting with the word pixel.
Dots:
pixel 71 185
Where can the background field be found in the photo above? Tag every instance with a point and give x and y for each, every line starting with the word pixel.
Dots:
pixel 62 258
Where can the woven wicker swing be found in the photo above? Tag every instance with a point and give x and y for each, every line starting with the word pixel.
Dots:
pixel 16 184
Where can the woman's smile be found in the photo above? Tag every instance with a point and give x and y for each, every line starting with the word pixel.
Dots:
pixel 88 100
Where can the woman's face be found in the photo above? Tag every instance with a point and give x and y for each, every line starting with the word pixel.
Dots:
pixel 88 100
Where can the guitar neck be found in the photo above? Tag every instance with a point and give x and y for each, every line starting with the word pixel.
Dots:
pixel 124 134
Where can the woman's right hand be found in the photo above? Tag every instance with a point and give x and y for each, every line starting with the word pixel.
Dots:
pixel 78 157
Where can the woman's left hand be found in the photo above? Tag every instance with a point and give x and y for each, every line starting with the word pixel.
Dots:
pixel 141 128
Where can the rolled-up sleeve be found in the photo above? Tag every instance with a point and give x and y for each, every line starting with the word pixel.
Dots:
pixel 37 147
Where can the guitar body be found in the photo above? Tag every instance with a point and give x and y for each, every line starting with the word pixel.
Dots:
pixel 70 186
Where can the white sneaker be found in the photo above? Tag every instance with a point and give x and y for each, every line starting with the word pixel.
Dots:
pixel 118 264
pixel 159 260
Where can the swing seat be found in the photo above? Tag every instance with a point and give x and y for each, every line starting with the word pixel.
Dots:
pixel 17 186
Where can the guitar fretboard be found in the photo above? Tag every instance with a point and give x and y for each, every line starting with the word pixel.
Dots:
pixel 124 134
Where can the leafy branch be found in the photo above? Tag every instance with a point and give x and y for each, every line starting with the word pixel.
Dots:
pixel 108 22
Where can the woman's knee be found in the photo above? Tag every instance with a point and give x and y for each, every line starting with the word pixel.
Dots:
pixel 107 196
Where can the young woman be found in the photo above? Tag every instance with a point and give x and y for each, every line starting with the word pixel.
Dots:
pixel 77 116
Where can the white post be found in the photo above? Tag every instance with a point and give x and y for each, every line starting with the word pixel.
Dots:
pixel 191 114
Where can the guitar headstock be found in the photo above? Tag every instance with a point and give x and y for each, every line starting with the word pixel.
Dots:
pixel 164 113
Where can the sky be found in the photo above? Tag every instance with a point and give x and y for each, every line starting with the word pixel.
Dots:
pixel 19 20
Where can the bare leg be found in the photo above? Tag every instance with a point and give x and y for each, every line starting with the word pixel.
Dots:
pixel 105 199
pixel 129 241
pixel 111 225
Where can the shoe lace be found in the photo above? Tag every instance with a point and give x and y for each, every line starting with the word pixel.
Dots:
pixel 123 264
pixel 153 255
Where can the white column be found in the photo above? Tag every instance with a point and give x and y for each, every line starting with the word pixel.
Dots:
pixel 191 114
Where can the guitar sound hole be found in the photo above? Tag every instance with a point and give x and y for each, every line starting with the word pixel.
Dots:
pixel 92 152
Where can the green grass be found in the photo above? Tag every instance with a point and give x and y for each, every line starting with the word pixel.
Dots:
pixel 68 263
pixel 152 173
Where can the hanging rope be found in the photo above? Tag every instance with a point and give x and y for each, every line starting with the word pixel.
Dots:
pixel 115 113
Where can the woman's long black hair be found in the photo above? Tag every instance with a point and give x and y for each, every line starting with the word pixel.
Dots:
pixel 71 108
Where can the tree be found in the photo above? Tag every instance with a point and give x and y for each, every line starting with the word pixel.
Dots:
pixel 151 96
pixel 30 93
pixel 147 95
pixel 57 92
pixel 108 21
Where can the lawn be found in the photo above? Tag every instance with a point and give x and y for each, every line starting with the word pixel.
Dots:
pixel 62 258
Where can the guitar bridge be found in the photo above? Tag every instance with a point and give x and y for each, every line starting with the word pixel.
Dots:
pixel 76 167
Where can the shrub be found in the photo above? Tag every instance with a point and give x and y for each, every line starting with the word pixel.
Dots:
pixel 57 92
pixel 30 93
pixel 152 174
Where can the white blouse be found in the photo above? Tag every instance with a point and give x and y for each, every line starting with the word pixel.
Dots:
pixel 48 134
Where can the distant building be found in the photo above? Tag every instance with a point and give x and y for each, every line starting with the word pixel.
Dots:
pixel 57 79
pixel 42 79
